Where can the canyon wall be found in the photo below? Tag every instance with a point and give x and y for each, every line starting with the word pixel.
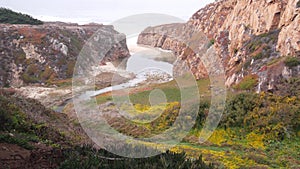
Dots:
pixel 251 38
pixel 45 53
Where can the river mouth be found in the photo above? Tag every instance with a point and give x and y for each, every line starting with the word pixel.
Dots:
pixel 149 65
pixel 145 66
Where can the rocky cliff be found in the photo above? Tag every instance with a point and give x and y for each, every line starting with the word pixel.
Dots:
pixel 254 39
pixel 44 53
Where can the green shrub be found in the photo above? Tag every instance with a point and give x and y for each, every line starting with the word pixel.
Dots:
pixel 11 118
pixel 18 128
pixel 291 62
pixel 274 116
pixel 9 16
pixel 211 42
pixel 258 56
pixel 6 138
pixel 29 79
pixel 200 120
pixel 87 157
pixel 237 108
pixel 264 41
pixel 254 45
pixel 248 83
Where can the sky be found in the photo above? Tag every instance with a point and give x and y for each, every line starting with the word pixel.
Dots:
pixel 102 11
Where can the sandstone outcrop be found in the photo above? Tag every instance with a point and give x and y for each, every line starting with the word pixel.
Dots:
pixel 250 38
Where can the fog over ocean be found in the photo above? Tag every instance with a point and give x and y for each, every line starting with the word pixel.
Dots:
pixel 102 11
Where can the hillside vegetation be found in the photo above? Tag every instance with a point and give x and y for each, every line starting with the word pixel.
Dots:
pixel 256 130
pixel 35 137
pixel 11 17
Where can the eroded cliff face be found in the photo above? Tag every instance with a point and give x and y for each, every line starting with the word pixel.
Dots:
pixel 177 37
pixel 41 54
pixel 251 37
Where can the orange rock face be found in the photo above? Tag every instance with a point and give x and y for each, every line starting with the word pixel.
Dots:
pixel 247 35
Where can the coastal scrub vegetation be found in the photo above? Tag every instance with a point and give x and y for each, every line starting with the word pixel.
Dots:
pixel 256 130
pixel 11 17
pixel 87 157
pixel 18 129
pixel 248 83
pixel 292 62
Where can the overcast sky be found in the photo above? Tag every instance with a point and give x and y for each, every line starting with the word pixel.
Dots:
pixel 102 11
